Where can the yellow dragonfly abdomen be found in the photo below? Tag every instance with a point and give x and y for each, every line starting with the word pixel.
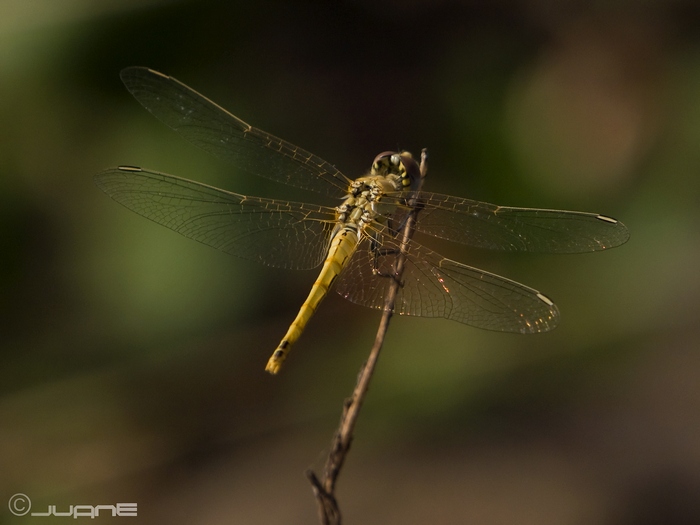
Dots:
pixel 342 247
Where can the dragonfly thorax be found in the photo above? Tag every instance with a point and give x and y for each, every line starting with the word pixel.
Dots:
pixel 359 205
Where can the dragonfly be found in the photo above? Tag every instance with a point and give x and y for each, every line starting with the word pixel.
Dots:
pixel 356 242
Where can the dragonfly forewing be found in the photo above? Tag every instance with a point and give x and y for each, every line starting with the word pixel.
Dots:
pixel 484 225
pixel 212 128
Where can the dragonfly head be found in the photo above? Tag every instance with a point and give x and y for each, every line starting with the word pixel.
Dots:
pixel 401 166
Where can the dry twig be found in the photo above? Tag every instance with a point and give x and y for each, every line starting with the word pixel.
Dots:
pixel 324 489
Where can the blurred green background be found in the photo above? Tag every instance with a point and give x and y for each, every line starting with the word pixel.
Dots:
pixel 131 359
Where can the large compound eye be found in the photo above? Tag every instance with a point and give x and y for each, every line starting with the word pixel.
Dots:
pixel 386 162
pixel 384 158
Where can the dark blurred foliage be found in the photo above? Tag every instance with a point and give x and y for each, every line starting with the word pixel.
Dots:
pixel 131 359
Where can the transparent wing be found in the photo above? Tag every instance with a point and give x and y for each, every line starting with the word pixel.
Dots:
pixel 212 128
pixel 433 286
pixel 484 225
pixel 272 232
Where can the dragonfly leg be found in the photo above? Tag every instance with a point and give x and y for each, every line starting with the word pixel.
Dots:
pixel 376 265
pixel 391 275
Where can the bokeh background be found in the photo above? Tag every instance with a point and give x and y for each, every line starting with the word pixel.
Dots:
pixel 131 359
